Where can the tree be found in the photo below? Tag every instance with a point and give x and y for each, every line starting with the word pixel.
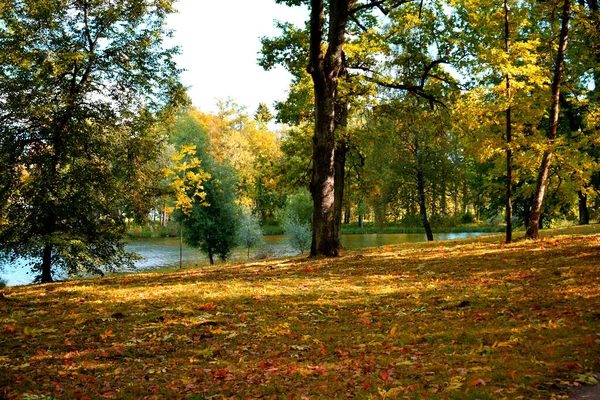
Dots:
pixel 213 227
pixel 538 197
pixel 249 234
pixel 83 86
pixel 187 179
pixel 210 217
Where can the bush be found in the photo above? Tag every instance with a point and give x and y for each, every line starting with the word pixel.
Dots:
pixel 2 283
pixel 298 234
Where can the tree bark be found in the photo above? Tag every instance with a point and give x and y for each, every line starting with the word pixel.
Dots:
pixel 211 258
pixel 347 216
pixel 47 264
pixel 340 166
pixel 421 191
pixel 509 210
pixel 584 215
pixel 538 197
pixel 325 69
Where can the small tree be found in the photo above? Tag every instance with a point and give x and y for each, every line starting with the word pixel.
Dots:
pixel 213 227
pixel 298 234
pixel 249 233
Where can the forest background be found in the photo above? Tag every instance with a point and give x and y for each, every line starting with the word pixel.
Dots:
pixel 432 115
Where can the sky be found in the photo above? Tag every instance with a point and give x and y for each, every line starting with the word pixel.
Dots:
pixel 220 42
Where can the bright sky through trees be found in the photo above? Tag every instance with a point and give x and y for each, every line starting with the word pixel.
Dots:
pixel 220 41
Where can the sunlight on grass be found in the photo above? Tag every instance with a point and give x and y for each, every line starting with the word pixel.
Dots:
pixel 449 320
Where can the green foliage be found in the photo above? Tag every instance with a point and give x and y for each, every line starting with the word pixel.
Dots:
pixel 2 283
pixel 84 86
pixel 299 207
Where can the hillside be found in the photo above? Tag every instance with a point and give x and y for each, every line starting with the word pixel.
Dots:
pixel 467 319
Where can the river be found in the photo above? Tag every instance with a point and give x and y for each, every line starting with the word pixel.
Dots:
pixel 164 252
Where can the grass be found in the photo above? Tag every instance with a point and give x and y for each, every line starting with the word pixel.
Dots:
pixel 467 319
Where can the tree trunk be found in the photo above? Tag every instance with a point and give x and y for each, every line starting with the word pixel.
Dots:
pixel 325 69
pixel 421 191
pixel 584 215
pixel 347 216
pixel 538 197
pixel 509 211
pixel 422 207
pixel 211 258
pixel 47 264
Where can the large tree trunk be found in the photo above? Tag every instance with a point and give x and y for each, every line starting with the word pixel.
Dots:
pixel 509 211
pixel 538 197
pixel 47 264
pixel 325 69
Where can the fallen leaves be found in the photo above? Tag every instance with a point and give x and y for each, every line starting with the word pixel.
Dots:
pixel 440 320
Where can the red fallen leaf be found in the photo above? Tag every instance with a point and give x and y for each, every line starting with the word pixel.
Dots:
pixel 478 382
pixel 243 318
pixel 550 350
pixel 384 375
pixel 366 385
pixel 502 245
pixel 512 374
pixel 261 364
pixel 342 353
pixel 68 342
pixel 572 365
pixel 207 306
pixel 220 373
pixel 9 329
pixel 404 350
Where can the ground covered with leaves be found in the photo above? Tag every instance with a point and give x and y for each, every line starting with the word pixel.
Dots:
pixel 469 319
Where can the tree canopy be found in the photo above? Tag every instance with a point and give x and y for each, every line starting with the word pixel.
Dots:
pixel 84 87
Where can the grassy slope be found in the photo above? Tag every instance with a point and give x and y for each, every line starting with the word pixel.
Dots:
pixel 464 319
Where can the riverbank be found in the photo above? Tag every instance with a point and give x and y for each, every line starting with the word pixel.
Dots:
pixel 456 319
pixel 138 232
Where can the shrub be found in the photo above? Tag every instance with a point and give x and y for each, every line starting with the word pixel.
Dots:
pixel 249 234
pixel 298 234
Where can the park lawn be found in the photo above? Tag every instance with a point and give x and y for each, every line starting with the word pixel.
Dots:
pixel 467 319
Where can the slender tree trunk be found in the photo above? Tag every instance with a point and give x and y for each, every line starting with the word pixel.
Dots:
pixel 509 210
pixel 538 197
pixel 325 69
pixel 422 206
pixel 584 215
pixel 181 244
pixel 47 264
pixel 361 223
pixel 421 191
pixel 211 258
pixel 347 216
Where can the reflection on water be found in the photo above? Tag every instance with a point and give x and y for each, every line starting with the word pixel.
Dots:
pixel 164 252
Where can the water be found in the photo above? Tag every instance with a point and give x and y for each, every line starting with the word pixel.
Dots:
pixel 164 252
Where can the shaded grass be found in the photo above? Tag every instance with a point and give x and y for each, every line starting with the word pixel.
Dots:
pixel 466 319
